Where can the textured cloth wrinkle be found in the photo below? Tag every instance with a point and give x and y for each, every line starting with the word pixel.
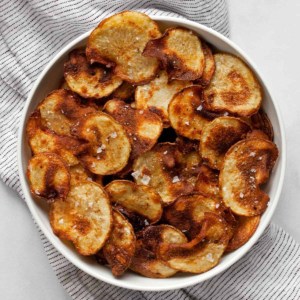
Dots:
pixel 32 31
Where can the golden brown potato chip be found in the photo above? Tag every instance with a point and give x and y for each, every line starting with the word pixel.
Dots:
pixel 209 68
pixel 142 126
pixel 124 92
pixel 119 41
pixel 187 212
pixel 207 182
pixel 89 81
pixel 261 121
pixel 120 247
pixel 180 52
pixel 246 166
pixel 48 176
pixel 109 147
pixel 139 199
pixel 244 229
pixel 186 112
pixel 157 94
pixel 145 260
pixel 218 136
pixel 234 88
pixel 202 253
pixel 60 109
pixel 160 168
pixel 43 140
pixel 84 217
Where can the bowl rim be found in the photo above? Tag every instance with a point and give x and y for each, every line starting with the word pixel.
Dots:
pixel 193 278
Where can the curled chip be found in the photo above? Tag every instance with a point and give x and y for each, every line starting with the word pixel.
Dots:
pixel 200 254
pixel 218 136
pixel 142 126
pixel 234 88
pixel 157 94
pixel 161 169
pixel 79 173
pixel 109 147
pixel 60 109
pixel 89 81
pixel 120 247
pixel 139 199
pixel 124 92
pixel 207 182
pixel 119 41
pixel 43 140
pixel 209 68
pixel 247 165
pixel 187 212
pixel 261 121
pixel 145 260
pixel 180 52
pixel 186 112
pixel 243 231
pixel 83 218
pixel 48 176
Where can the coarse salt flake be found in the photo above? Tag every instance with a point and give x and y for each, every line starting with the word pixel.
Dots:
pixel 136 174
pixel 242 195
pixel 252 154
pixel 61 221
pixel 145 179
pixel 166 152
pixel 113 135
pixel 209 257
pixel 175 179
pixel 141 112
pixel 200 107
pixel 187 123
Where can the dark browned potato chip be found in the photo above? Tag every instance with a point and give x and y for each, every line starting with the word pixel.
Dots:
pixel 180 52
pixel 186 112
pixel 234 88
pixel 48 176
pixel 119 41
pixel 43 140
pixel 84 217
pixel 157 94
pixel 218 136
pixel 257 134
pixel 142 126
pixel 244 229
pixel 120 247
pixel 60 109
pixel 246 166
pixel 109 146
pixel 89 81
pixel 261 121
pixel 145 260
pixel 200 254
pixel 209 68
pixel 139 199
pixel 124 92
pixel 161 168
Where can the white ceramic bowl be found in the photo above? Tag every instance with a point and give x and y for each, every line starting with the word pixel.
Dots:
pixel 51 78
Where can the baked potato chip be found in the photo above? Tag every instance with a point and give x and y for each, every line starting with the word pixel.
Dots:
pixel 145 260
pixel 261 121
pixel 207 182
pixel 186 112
pixel 89 81
pixel 48 176
pixel 202 253
pixel 109 147
pixel 246 166
pixel 119 41
pixel 160 168
pixel 234 88
pixel 79 173
pixel 43 140
pixel 84 217
pixel 139 199
pixel 180 52
pixel 157 94
pixel 120 247
pixel 244 229
pixel 60 109
pixel 218 136
pixel 187 212
pixel 124 92
pixel 143 127
pixel 209 68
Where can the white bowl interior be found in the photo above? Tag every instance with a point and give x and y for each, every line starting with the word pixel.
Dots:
pixel 51 78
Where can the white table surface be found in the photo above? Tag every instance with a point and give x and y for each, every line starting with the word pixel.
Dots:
pixel 268 30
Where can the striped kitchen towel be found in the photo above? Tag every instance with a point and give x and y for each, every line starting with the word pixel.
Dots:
pixel 32 32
